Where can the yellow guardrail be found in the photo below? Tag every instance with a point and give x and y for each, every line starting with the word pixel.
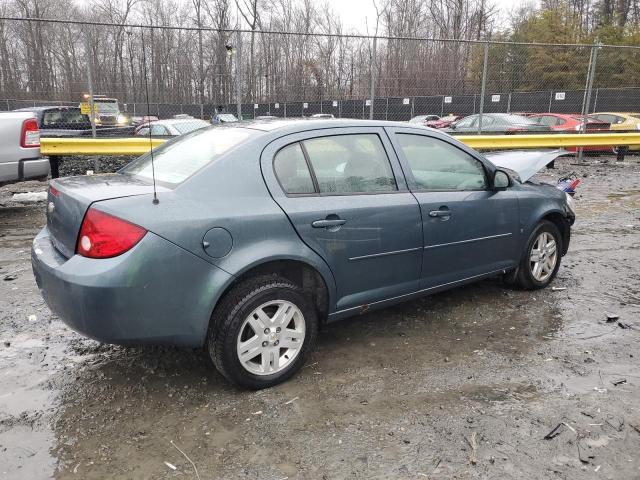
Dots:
pixel 66 147
pixel 501 142
pixel 138 146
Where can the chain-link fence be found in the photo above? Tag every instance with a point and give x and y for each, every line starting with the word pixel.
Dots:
pixel 119 78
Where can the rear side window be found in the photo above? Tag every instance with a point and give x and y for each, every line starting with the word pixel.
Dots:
pixel 437 165
pixel 350 164
pixel 292 171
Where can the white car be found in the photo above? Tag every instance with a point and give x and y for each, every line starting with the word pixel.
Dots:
pixel 170 128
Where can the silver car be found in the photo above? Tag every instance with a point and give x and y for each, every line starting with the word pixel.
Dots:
pixel 170 128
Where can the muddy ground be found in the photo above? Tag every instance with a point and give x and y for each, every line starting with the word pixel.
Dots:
pixel 400 393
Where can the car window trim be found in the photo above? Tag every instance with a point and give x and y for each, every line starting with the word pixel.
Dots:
pixel 313 180
pixel 312 172
pixel 414 183
pixel 318 193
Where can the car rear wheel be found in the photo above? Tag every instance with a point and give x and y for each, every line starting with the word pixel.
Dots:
pixel 261 332
pixel 541 259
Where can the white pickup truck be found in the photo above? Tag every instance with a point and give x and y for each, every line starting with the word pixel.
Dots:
pixel 20 148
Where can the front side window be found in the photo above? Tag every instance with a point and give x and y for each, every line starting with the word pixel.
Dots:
pixel 437 165
pixel 292 171
pixel 350 164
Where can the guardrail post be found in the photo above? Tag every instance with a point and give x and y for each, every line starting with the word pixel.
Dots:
pixel 483 86
pixel 372 78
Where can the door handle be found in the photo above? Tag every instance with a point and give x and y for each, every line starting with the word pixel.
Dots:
pixel 326 223
pixel 440 213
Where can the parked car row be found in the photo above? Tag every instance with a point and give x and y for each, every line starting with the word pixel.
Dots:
pixel 507 123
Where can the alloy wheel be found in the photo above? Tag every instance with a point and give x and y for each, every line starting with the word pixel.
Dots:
pixel 543 256
pixel 271 337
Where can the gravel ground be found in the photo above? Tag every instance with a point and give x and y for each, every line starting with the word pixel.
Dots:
pixel 463 384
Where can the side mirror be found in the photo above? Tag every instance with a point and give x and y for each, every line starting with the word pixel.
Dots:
pixel 452 126
pixel 501 180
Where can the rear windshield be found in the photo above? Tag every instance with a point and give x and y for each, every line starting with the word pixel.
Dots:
pixel 178 159
pixel 190 126
pixel 64 118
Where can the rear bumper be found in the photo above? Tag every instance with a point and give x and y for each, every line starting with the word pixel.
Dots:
pixel 156 293
pixel 24 170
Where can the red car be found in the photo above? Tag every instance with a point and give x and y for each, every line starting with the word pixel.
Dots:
pixel 564 122
pixel 443 122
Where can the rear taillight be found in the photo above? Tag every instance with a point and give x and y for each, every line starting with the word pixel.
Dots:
pixel 105 236
pixel 30 136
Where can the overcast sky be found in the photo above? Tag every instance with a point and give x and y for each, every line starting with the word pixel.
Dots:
pixel 354 12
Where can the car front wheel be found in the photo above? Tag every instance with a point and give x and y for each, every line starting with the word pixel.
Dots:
pixel 262 332
pixel 541 259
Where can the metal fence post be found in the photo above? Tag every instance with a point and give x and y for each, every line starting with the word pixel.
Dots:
pixel 92 110
pixel 586 100
pixel 483 86
pixel 239 74
pixel 372 79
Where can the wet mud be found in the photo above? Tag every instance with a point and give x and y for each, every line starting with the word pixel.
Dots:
pixel 462 384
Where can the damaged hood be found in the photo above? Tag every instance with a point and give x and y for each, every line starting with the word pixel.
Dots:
pixel 526 163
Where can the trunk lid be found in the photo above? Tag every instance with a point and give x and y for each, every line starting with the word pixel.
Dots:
pixel 69 198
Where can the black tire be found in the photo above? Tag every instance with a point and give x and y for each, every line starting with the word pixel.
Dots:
pixel 524 277
pixel 230 315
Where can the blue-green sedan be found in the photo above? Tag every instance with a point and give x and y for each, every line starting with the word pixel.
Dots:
pixel 263 231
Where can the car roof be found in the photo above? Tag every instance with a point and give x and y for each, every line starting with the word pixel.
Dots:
pixel 39 109
pixel 171 121
pixel 302 125
pixel 613 113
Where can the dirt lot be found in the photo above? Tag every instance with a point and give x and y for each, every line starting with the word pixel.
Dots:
pixel 400 393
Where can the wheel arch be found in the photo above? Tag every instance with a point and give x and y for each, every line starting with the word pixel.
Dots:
pixel 299 271
pixel 559 219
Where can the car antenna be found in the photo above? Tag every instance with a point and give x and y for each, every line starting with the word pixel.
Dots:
pixel 146 92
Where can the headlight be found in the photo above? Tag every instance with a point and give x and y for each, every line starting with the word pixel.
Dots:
pixel 570 203
pixel 122 119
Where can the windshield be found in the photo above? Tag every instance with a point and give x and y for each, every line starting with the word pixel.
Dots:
pixel 190 126
pixel 106 107
pixel 177 160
